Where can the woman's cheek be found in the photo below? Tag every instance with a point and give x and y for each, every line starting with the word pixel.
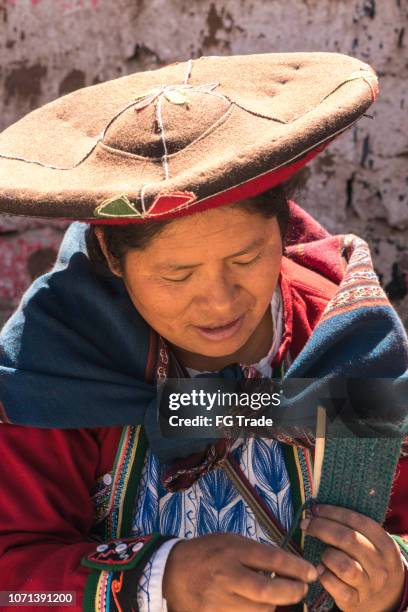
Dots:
pixel 165 300
pixel 264 281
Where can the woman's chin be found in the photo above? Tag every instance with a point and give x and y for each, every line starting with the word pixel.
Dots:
pixel 219 347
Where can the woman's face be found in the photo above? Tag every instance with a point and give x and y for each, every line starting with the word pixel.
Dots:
pixel 204 271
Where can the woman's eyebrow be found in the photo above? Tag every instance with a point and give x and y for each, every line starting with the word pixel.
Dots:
pixel 255 243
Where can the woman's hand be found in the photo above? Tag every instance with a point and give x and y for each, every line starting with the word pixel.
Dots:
pixel 363 565
pixel 222 572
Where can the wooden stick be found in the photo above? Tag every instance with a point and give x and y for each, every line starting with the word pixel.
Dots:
pixel 319 448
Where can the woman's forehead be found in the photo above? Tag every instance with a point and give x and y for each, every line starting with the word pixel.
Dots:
pixel 220 234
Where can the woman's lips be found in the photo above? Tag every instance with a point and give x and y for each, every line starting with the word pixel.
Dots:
pixel 220 333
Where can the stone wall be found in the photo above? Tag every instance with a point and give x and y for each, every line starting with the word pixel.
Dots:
pixel 360 184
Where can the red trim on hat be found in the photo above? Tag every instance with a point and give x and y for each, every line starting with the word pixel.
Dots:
pixel 248 189
pixel 166 202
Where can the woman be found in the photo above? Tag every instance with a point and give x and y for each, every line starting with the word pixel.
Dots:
pixel 141 302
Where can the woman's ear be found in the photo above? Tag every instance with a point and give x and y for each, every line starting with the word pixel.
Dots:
pixel 112 262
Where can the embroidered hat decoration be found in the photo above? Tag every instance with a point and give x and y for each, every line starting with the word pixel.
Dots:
pixel 180 139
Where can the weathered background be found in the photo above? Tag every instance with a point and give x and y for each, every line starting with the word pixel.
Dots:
pixel 51 47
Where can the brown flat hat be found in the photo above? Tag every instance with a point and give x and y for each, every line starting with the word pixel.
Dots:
pixel 184 138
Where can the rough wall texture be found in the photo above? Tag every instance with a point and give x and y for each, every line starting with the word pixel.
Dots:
pixel 360 184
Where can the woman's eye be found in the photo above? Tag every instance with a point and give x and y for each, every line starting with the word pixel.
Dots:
pixel 240 263
pixel 177 280
pixel 247 263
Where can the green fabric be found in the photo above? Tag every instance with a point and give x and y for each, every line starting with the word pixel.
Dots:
pixel 403 544
pixel 88 603
pixel 357 474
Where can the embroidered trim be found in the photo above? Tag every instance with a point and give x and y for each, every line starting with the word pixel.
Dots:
pixel 162 363
pixel 360 286
pixel 122 469
pixel 102 591
pixel 124 553
pixel 114 588
pixel 117 206
pixel 100 495
pixel 297 485
pixel 303 464
pixel 121 206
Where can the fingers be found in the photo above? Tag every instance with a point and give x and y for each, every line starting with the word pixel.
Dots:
pixel 344 595
pixel 372 530
pixel 345 568
pixel 274 559
pixel 265 590
pixel 362 562
pixel 352 542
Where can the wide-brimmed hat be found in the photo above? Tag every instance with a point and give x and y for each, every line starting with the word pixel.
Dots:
pixel 184 138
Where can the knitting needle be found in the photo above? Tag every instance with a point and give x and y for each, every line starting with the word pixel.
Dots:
pixel 319 449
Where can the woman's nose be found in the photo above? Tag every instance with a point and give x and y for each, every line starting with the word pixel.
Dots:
pixel 220 292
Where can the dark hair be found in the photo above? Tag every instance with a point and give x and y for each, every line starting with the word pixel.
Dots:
pixel 120 239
